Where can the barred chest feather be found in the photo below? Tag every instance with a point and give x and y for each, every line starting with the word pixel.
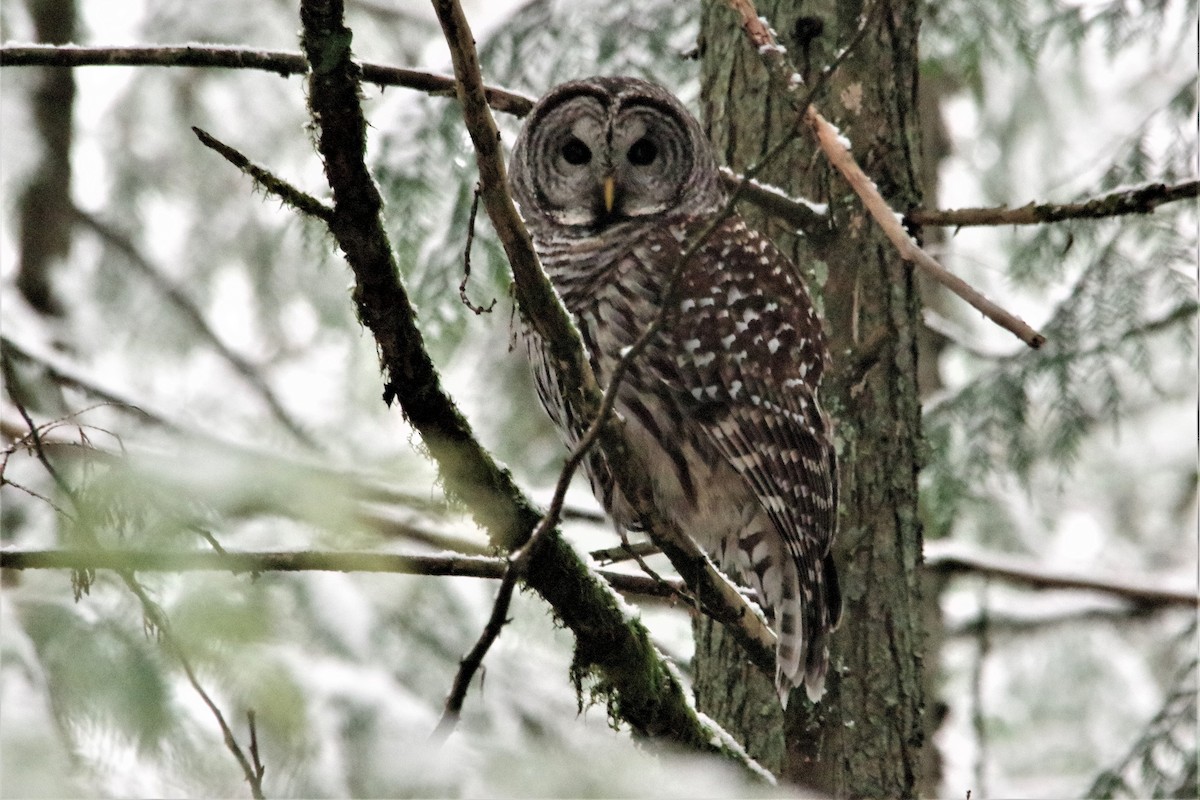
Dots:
pixel 613 289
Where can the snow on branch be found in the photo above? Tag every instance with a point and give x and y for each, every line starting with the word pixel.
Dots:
pixel 837 151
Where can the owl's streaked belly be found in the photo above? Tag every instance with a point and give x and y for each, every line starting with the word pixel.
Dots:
pixel 699 491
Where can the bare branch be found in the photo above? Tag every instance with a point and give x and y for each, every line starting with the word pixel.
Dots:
pixel 258 562
pixel 835 148
pixel 259 768
pixel 267 180
pixel 956 561
pixel 473 660
pixel 1017 624
pixel 223 57
pixel 462 286
pixel 35 434
pixel 1134 200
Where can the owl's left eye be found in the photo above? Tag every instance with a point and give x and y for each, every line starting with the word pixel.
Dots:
pixel 643 152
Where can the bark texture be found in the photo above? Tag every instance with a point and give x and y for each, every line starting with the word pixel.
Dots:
pixel 865 739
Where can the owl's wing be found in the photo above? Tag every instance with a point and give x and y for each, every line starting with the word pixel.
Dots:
pixel 744 357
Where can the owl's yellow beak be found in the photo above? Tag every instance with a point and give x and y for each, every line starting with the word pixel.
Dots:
pixel 610 192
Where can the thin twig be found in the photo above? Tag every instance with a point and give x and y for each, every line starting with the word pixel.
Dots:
pixel 35 436
pixel 259 768
pixel 836 151
pixel 670 586
pixel 267 180
pixel 623 552
pixel 36 495
pixel 473 660
pixel 462 286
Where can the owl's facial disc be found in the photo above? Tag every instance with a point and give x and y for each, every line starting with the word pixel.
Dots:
pixel 607 162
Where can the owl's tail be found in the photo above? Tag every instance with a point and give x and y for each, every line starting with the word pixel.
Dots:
pixel 802 602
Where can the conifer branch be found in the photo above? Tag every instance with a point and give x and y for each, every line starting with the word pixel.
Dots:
pixel 153 615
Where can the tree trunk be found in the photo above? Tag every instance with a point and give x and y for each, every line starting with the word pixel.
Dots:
pixel 45 209
pixel 866 737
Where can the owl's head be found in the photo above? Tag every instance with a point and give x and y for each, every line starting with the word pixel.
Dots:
pixel 599 151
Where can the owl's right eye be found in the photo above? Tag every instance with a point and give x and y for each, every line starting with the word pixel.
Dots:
pixel 575 152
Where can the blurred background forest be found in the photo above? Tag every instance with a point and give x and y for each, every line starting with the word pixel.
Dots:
pixel 190 355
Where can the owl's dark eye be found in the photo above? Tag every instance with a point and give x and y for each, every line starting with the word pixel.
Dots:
pixel 643 152
pixel 575 152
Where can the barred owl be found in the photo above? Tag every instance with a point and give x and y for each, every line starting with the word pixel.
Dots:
pixel 614 178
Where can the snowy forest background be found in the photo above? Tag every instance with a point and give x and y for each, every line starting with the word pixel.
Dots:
pixel 198 378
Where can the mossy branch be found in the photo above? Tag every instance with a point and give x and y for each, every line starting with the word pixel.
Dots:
pixel 642 688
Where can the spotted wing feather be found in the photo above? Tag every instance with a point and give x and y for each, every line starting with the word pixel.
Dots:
pixel 748 356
